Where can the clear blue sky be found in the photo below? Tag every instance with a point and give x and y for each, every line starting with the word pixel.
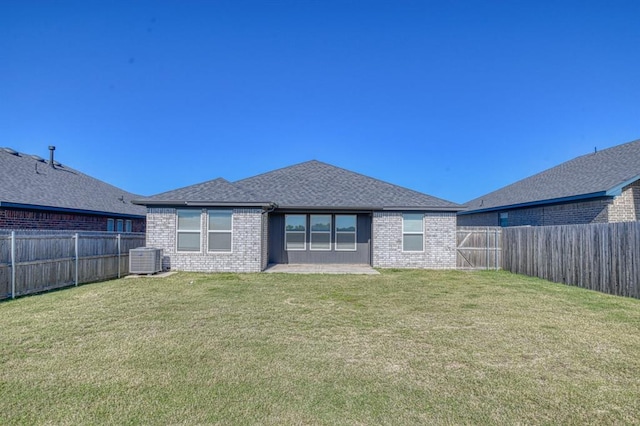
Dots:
pixel 451 98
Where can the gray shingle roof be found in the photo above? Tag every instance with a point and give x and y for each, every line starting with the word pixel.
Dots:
pixel 211 192
pixel 30 181
pixel 311 185
pixel 598 174
pixel 314 184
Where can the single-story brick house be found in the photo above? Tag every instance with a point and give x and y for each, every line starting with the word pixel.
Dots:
pixel 40 194
pixel 311 212
pixel 601 187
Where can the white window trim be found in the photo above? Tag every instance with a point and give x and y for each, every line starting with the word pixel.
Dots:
pixel 214 231
pixel 311 232
pixel 111 225
pixel 178 231
pixel 355 234
pixel 296 232
pixel 128 226
pixel 412 233
pixel 120 225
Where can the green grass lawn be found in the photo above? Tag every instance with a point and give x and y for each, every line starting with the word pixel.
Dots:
pixel 403 347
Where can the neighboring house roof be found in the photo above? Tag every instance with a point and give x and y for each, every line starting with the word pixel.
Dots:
pixel 309 185
pixel 30 182
pixel 599 174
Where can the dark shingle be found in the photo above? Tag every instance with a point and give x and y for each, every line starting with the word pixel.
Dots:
pixel 32 182
pixel 314 184
pixel 214 191
pixel 593 174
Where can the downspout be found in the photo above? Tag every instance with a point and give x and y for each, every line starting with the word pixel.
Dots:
pixel 271 208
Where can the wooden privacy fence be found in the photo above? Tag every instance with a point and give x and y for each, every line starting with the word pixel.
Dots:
pixel 602 257
pixel 479 247
pixel 36 261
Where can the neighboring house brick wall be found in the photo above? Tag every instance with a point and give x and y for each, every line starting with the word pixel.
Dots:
pixel 479 219
pixel 246 255
pixel 625 206
pixel 42 219
pixel 595 211
pixel 439 242
pixel 561 214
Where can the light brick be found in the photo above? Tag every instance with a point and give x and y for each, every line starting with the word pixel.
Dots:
pixel 248 254
pixel 439 242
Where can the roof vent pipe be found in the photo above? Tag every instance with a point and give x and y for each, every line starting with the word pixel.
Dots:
pixel 51 149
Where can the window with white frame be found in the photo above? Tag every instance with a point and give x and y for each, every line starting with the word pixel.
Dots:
pixel 295 232
pixel 188 230
pixel 120 225
pixel 412 232
pixel 320 225
pixel 346 232
pixel 110 225
pixel 128 226
pixel 220 230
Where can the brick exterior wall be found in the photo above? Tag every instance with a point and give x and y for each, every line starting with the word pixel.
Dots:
pixel 561 214
pixel 626 206
pixel 265 241
pixel 247 252
pixel 595 211
pixel 623 208
pixel 439 242
pixel 42 219
pixel 479 219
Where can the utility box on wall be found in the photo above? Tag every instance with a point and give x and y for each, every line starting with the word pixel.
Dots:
pixel 145 260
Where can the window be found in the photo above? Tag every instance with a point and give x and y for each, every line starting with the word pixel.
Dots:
pixel 127 226
pixel 504 219
pixel 188 230
pixel 345 232
pixel 110 225
pixel 295 232
pixel 412 232
pixel 220 224
pixel 120 225
pixel 320 232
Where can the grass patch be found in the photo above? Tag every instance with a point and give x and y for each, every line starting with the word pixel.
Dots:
pixel 403 347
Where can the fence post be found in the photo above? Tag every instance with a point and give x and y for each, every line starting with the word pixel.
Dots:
pixel 118 240
pixel 76 237
pixel 495 244
pixel 488 245
pixel 13 264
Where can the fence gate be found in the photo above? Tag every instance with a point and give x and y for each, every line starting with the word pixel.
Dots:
pixel 479 247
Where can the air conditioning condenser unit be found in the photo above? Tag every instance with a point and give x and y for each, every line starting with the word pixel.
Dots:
pixel 145 260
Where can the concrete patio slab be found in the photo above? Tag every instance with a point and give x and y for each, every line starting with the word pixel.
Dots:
pixel 332 268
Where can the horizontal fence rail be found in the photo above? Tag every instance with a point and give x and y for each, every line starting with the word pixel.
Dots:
pixel 478 247
pixel 37 261
pixel 602 257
